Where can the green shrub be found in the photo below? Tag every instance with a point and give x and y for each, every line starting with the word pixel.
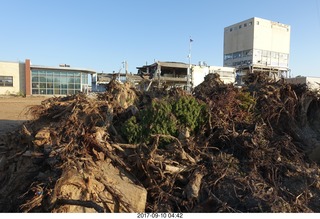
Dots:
pixel 189 112
pixel 132 130
pixel 158 119
pixel 165 117
pixel 246 100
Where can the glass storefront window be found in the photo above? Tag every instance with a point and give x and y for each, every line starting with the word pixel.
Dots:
pixel 49 85
pixel 35 78
pixel 84 78
pixel 71 80
pixel 57 82
pixel 56 85
pixel 77 80
pixel 35 85
pixel 63 80
pixel 56 91
pixel 43 79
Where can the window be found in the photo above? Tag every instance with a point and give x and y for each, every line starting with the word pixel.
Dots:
pixel 6 81
pixel 266 53
pixel 228 56
pixel 245 25
pixel 230 29
pixel 240 26
pixel 247 53
pixel 237 55
pixel 274 55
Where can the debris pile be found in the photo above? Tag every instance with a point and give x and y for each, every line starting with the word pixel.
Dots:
pixel 219 149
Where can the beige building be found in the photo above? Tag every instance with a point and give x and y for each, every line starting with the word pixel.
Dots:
pixel 257 44
pixel 12 77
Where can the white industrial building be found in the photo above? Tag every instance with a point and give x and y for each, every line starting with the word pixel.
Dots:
pixel 227 74
pixel 313 83
pixel 257 45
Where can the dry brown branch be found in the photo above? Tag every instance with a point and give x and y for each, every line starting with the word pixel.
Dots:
pixel 184 155
pixel 127 146
pixel 18 154
pixel 35 201
pixel 86 204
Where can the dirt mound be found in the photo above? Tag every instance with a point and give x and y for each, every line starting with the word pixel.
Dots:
pixel 221 149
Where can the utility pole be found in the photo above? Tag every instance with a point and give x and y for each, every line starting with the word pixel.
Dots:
pixel 189 67
pixel 126 66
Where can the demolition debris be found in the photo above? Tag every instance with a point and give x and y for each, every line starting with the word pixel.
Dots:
pixel 219 149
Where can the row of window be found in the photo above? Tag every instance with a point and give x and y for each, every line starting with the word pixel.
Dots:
pixel 240 63
pixel 56 85
pixel 55 91
pixel 6 81
pixel 56 82
pixel 262 62
pixel 270 54
pixel 241 25
pixel 257 53
pixel 240 54
pixel 257 23
pixel 63 77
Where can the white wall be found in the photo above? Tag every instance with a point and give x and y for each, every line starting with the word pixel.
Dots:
pixel 227 74
pixel 271 45
pixel 271 36
pixel 313 83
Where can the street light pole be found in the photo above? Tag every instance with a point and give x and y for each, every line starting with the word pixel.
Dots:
pixel 189 67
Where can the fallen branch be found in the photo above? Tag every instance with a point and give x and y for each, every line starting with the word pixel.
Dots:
pixel 86 204
pixel 128 146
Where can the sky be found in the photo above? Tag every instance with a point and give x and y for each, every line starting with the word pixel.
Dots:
pixel 102 34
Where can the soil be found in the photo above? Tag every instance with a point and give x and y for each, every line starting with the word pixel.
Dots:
pixel 14 111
